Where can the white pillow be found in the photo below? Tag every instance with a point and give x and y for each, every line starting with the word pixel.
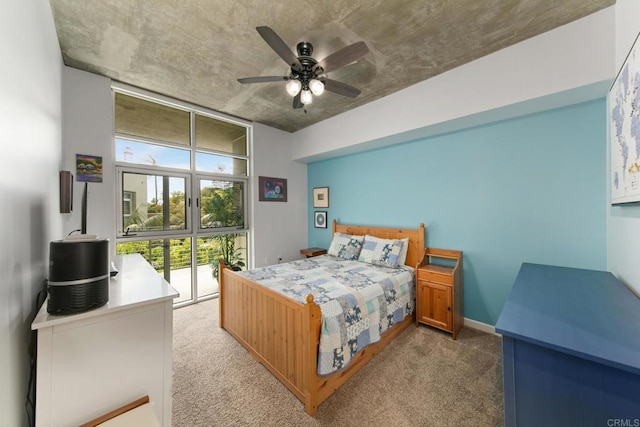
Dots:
pixel 385 252
pixel 345 246
pixel 402 258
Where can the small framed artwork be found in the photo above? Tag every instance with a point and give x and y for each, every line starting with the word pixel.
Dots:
pixel 321 197
pixel 272 189
pixel 88 168
pixel 320 219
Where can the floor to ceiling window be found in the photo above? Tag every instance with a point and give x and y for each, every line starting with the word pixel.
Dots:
pixel 182 182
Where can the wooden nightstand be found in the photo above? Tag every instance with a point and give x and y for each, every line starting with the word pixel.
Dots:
pixel 311 252
pixel 439 290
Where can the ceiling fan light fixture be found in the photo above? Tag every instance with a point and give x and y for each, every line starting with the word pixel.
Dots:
pixel 307 76
pixel 305 97
pixel 317 87
pixel 293 87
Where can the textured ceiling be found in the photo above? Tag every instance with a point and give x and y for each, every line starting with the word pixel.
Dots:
pixel 194 50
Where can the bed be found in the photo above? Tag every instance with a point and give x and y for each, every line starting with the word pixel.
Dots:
pixel 284 334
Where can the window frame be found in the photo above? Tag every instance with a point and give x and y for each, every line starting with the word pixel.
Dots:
pixel 125 168
pixel 193 110
pixel 197 215
pixel 192 190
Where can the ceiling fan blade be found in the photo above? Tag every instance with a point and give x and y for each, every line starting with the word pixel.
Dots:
pixel 343 57
pixel 263 79
pixel 296 101
pixel 341 88
pixel 278 45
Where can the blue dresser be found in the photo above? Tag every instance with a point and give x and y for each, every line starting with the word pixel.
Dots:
pixel 570 349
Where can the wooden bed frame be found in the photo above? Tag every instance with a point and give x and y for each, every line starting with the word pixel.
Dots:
pixel 284 335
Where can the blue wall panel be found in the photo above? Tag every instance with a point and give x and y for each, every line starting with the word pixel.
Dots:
pixel 529 189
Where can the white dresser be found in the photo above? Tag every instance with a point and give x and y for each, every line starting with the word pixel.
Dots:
pixel 91 363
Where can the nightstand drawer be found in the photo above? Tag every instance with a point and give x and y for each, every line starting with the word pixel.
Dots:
pixel 431 275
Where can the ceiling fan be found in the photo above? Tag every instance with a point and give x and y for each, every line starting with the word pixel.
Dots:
pixel 308 76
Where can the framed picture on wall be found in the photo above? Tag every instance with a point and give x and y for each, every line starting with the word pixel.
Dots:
pixel 88 168
pixel 272 189
pixel 320 219
pixel 625 130
pixel 321 197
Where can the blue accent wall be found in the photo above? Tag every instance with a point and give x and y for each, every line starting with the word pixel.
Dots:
pixel 529 189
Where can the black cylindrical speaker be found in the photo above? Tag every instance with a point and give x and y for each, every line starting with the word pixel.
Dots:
pixel 78 275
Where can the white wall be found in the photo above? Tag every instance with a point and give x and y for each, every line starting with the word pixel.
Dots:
pixel 280 229
pixel 569 64
pixel 30 120
pixel 623 232
pixel 87 128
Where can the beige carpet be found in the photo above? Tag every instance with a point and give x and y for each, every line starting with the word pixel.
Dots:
pixel 423 378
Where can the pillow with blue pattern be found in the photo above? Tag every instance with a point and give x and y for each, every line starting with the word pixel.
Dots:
pixel 384 252
pixel 345 246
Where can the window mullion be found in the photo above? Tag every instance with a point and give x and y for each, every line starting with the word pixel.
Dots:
pixel 194 209
pixel 166 221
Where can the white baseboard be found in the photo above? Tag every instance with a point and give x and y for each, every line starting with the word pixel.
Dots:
pixel 480 326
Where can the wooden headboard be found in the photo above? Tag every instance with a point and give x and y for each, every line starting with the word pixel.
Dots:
pixel 415 235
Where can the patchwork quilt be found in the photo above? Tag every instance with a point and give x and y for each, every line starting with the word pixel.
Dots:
pixel 359 301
